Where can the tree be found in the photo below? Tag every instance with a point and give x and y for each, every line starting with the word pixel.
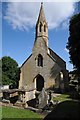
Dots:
pixel 0 72
pixel 73 44
pixel 10 72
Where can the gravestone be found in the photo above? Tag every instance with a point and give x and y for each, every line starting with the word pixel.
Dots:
pixel 43 99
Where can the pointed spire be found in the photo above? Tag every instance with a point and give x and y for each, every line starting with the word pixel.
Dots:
pixel 41 17
pixel 41 3
pixel 42 26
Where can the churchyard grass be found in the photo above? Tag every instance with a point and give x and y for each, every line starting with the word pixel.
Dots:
pixel 10 112
pixel 62 97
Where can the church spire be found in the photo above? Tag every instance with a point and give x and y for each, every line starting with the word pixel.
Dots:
pixel 41 26
pixel 41 17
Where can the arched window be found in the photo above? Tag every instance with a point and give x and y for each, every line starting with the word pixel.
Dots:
pixel 44 28
pixel 40 60
pixel 40 27
pixel 61 76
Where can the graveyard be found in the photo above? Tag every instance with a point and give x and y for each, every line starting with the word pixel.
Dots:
pixel 61 106
pixel 45 104
pixel 8 112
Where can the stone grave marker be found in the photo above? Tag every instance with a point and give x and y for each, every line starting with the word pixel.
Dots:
pixel 43 99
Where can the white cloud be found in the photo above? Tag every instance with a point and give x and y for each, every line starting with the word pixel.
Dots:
pixel 57 13
pixel 40 0
pixel 24 15
pixel 66 50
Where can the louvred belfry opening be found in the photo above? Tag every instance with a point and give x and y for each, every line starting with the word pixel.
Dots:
pixel 40 60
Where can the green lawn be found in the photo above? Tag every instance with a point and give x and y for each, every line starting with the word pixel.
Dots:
pixel 10 112
pixel 62 97
pixel 0 112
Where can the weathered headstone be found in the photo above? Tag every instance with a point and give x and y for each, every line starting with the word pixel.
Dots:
pixel 43 99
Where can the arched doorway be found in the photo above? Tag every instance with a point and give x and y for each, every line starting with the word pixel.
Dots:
pixel 39 83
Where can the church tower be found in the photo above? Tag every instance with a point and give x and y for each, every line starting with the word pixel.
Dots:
pixel 42 26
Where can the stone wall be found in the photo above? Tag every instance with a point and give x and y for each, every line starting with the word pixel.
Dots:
pixel 30 69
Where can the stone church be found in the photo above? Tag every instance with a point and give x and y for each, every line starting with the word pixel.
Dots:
pixel 43 68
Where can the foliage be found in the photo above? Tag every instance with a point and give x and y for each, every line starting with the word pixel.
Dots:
pixel 65 110
pixel 73 45
pixel 10 71
pixel 0 72
pixel 73 80
pixel 9 112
